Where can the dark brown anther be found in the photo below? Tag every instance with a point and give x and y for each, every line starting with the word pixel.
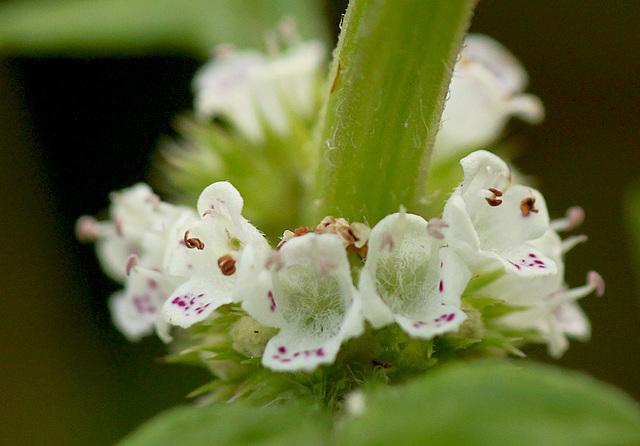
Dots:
pixel 193 242
pixel 493 200
pixel 227 264
pixel 526 206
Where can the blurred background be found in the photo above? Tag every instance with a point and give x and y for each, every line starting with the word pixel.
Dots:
pixel 83 105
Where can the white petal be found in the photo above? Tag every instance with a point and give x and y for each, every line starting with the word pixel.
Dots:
pixel 572 320
pixel 316 300
pixel 505 225
pixel 250 90
pixel 409 278
pixel 254 288
pixel 195 300
pixel 483 170
pixel 131 322
pixel 486 89
pixel 135 309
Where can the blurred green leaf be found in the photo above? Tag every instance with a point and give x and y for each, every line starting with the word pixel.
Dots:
pixel 238 423
pixel 497 403
pixel 95 27
pixel 389 78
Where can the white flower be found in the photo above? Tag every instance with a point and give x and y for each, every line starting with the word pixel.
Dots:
pixel 304 289
pixel 485 91
pixel 492 223
pixel 133 212
pixel 550 308
pixel 133 247
pixel 413 278
pixel 251 90
pixel 215 243
pixel 136 309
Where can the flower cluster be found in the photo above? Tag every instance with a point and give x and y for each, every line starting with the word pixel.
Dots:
pixel 484 276
pixel 494 241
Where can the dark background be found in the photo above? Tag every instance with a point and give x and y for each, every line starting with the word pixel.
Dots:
pixel 72 130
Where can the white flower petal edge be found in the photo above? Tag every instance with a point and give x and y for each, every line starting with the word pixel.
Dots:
pixel 492 223
pixel 250 89
pixel 412 278
pixel 305 290
pixel 133 213
pixel 557 316
pixel 221 234
pixel 136 309
pixel 132 247
pixel 486 89
pixel 550 308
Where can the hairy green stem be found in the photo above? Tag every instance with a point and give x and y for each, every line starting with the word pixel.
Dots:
pixel 388 83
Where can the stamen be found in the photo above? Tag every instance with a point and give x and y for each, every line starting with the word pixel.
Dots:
pixel 87 229
pixel 596 281
pixel 132 261
pixel 193 242
pixel 527 206
pixel 573 218
pixel 493 199
pixel 227 264
pixel 569 243
pixel 434 226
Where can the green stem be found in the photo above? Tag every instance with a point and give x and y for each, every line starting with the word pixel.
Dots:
pixel 388 84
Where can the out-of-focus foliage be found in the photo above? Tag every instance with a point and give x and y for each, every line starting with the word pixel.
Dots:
pixel 102 27
pixel 496 403
pixel 236 423
pixel 480 403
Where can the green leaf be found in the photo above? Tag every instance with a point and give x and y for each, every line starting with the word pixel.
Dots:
pixel 238 423
pixel 496 403
pixel 95 27
pixel 387 88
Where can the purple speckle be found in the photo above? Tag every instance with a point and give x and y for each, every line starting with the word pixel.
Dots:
pixel 282 349
pixel 450 317
pixel 539 262
pixel 532 255
pixel 517 266
pixel 152 284
pixel 273 301
pixel 320 352
pixel 441 287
